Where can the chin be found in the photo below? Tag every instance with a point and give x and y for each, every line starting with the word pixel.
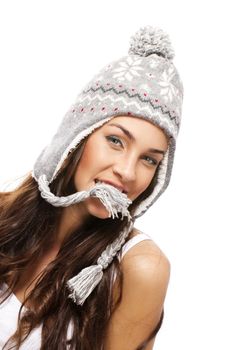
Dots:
pixel 96 208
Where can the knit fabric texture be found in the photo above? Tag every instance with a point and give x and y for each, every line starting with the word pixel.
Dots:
pixel 143 84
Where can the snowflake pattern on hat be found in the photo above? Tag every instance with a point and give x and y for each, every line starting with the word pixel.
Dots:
pixel 168 90
pixel 143 84
pixel 128 69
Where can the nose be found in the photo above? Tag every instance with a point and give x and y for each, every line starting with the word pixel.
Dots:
pixel 126 169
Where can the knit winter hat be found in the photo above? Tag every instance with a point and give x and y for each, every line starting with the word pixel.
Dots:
pixel 143 84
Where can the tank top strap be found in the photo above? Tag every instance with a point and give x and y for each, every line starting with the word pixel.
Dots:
pixel 141 236
pixel 129 244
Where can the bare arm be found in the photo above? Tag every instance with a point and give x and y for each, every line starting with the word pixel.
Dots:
pixel 146 278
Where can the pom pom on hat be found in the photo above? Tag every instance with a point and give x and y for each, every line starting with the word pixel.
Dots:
pixel 150 40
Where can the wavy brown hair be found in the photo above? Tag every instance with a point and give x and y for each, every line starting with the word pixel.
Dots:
pixel 27 227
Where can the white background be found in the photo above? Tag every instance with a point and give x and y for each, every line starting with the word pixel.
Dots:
pixel 51 49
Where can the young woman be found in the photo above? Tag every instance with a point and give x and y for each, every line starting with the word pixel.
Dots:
pixel 74 271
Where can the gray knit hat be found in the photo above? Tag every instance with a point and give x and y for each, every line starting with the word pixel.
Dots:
pixel 144 84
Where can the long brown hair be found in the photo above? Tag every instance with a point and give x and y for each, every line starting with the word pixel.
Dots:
pixel 27 226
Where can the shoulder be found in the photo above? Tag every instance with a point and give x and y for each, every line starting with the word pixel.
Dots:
pixel 146 271
pixel 145 255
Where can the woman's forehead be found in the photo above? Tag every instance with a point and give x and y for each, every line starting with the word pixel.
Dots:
pixel 132 122
pixel 135 123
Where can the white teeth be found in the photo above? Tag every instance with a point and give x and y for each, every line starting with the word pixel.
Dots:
pixel 100 182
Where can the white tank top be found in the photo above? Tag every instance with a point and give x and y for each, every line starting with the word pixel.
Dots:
pixel 10 308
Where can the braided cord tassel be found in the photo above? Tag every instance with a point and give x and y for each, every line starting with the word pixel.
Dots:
pixel 115 201
pixel 59 201
pixel 83 284
pixel 112 198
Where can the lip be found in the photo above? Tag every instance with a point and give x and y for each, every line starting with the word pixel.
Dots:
pixel 120 187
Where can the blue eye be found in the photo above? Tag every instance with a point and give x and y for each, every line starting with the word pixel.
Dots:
pixel 111 138
pixel 154 162
pixel 114 138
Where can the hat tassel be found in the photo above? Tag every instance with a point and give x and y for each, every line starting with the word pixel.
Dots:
pixel 83 284
pixel 112 198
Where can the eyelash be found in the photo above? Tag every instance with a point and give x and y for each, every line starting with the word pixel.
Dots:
pixel 110 138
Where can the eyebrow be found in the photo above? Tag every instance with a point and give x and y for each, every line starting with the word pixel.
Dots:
pixel 131 137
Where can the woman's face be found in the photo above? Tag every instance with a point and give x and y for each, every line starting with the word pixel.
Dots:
pixel 109 154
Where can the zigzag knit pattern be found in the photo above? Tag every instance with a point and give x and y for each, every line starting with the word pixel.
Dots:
pixel 153 102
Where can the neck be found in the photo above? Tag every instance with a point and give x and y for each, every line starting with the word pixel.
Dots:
pixel 72 218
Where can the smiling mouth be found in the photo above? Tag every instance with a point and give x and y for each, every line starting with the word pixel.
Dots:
pixel 98 181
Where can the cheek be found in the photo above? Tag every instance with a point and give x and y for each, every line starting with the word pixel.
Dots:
pixel 93 159
pixel 94 155
pixel 141 188
pixel 142 185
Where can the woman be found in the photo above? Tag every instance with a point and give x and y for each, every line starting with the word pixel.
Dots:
pixel 71 267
